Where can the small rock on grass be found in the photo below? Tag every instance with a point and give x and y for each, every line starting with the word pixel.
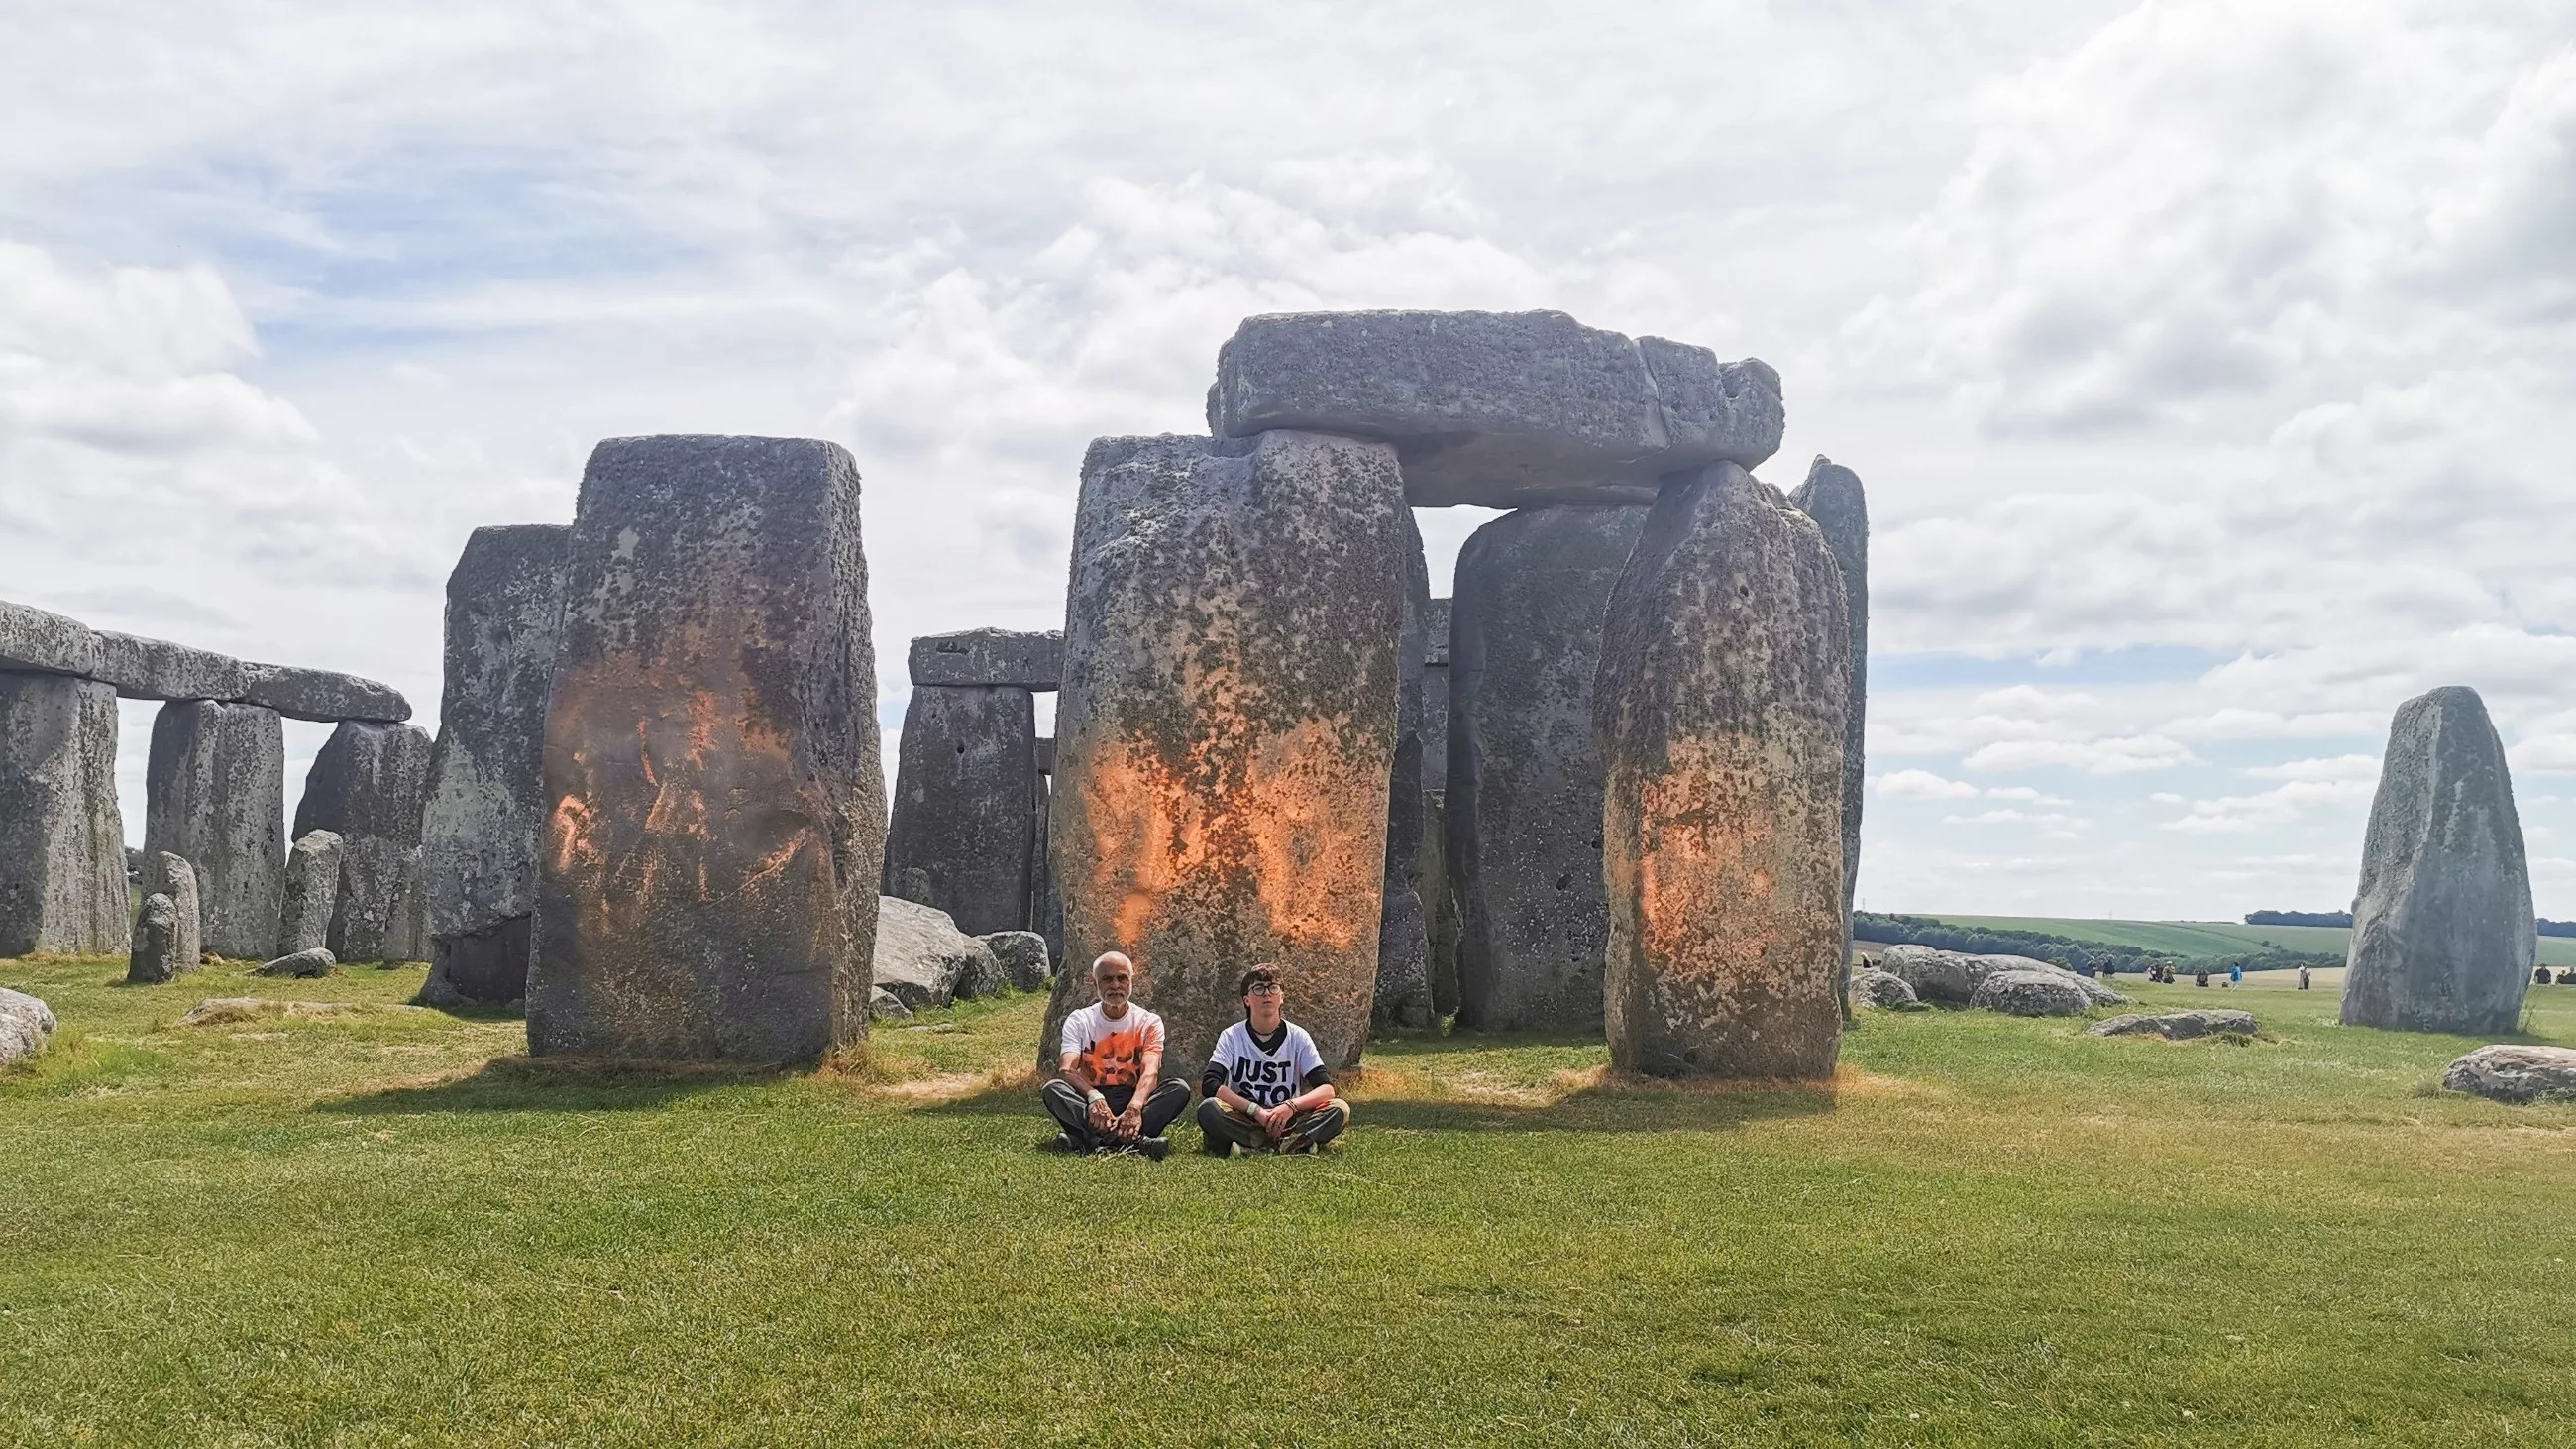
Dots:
pixel 2514 1073
pixel 1880 988
pixel 26 1025
pixel 884 1005
pixel 2178 1025
pixel 316 962
pixel 1023 958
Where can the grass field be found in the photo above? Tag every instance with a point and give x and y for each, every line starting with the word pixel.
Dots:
pixel 2209 938
pixel 385 1228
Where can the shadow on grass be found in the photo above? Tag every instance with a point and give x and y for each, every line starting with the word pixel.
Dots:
pixel 554 1084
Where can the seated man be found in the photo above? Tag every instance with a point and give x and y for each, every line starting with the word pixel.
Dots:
pixel 1265 1089
pixel 1109 1050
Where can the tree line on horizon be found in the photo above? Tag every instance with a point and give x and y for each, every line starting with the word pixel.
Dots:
pixel 2068 951
pixel 2547 927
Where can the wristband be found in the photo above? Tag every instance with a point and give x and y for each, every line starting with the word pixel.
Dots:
pixel 1097 1096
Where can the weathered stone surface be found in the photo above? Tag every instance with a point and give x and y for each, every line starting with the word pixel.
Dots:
pixel 154 955
pixel 884 1005
pixel 965 799
pixel 215 796
pixel 164 874
pixel 316 962
pixel 322 695
pixel 2516 1073
pixel 1880 988
pixel 1525 784
pixel 1502 409
pixel 2442 931
pixel 1720 706
pixel 2031 993
pixel 925 961
pixel 2178 1025
pixel 1435 697
pixel 312 891
pixel 1030 660
pixel 158 669
pixel 31 638
pixel 366 786
pixel 479 825
pixel 26 1025
pixel 62 836
pixel 1933 975
pixel 1440 903
pixel 1832 495
pixel 716 825
pixel 1227 727
pixel 1023 958
pixel 1403 996
pixel 1046 754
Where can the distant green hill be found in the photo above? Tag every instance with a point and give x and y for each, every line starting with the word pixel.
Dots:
pixel 2188 939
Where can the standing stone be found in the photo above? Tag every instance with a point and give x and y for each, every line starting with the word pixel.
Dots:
pixel 1524 798
pixel 62 837
pixel 1720 704
pixel 1832 496
pixel 707 887
pixel 1403 931
pixel 964 804
pixel 478 835
pixel 1046 903
pixel 366 787
pixel 2442 931
pixel 312 892
pixel 165 874
pixel 1440 903
pixel 1227 727
pixel 215 796
pixel 154 956
pixel 1435 696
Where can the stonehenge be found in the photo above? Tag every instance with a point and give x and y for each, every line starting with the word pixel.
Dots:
pixel 1719 707
pixel 485 794
pixel 963 838
pixel 1227 728
pixel 1404 996
pixel 2442 931
pixel 167 875
pixel 214 786
pixel 1832 495
pixel 365 787
pixel 715 807
pixel 1524 800
pixel 312 892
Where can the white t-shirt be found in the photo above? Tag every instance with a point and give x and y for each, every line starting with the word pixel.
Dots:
pixel 1111 1050
pixel 1265 1078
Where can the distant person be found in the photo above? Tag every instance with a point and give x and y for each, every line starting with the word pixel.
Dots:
pixel 2540 975
pixel 1110 1050
pixel 2235 975
pixel 1265 1089
pixel 2567 977
pixel 2303 978
pixel 2200 976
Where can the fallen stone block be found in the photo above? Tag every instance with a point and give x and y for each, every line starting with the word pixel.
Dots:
pixel 2031 993
pixel 2178 1025
pixel 2515 1074
pixel 26 1026
pixel 316 962
pixel 1028 660
pixel 1880 988
pixel 1500 409
pixel 926 962
pixel 884 1005
pixel 1023 957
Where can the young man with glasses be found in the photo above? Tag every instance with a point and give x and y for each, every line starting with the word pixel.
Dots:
pixel 1108 1052
pixel 1265 1089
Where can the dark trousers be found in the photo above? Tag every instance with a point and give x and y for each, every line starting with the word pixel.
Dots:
pixel 1221 1129
pixel 1072 1110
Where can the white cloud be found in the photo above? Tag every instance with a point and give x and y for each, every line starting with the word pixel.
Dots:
pixel 2107 756
pixel 2280 805
pixel 1923 785
pixel 2337 769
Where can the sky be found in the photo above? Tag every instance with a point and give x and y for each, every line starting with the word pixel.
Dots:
pixel 2209 364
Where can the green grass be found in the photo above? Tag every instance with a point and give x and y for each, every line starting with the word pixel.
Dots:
pixel 2209 938
pixel 387 1229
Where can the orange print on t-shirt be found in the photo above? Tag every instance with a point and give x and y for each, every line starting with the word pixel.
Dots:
pixel 1116 1060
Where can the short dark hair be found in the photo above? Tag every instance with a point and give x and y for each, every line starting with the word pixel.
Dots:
pixel 1257 976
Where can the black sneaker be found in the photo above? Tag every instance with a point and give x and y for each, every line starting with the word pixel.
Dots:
pixel 1064 1143
pixel 1156 1148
